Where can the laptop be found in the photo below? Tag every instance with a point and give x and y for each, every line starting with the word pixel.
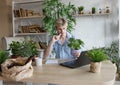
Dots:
pixel 80 61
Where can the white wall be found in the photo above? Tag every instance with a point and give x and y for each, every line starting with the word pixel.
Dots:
pixel 98 30
pixel 119 26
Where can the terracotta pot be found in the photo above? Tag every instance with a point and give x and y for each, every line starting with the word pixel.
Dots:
pixel 95 67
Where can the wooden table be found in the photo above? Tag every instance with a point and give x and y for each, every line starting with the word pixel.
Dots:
pixel 57 74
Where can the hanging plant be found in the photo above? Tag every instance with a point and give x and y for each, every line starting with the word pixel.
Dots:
pixel 54 9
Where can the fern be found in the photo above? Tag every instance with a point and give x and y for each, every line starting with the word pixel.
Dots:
pixel 97 55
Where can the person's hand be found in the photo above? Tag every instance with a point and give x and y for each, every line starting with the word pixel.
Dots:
pixel 76 54
pixel 56 38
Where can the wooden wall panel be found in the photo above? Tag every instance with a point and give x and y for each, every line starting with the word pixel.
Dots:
pixel 5 20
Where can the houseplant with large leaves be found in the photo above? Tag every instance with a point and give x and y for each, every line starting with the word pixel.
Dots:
pixel 54 9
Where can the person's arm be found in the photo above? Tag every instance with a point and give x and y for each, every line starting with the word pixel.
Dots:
pixel 77 54
pixel 48 49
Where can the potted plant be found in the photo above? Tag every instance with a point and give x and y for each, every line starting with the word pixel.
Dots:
pixel 107 9
pixel 29 48
pixel 117 63
pixel 75 44
pixel 93 10
pixel 3 56
pixel 23 49
pixel 55 9
pixel 80 9
pixel 96 56
pixel 15 48
pixel 113 55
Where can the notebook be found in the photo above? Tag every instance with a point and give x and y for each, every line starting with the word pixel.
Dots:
pixel 81 61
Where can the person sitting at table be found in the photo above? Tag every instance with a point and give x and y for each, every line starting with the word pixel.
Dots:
pixel 59 42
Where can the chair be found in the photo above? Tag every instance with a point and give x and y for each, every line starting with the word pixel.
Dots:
pixel 7 40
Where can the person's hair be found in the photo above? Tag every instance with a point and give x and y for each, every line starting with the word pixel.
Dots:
pixel 61 22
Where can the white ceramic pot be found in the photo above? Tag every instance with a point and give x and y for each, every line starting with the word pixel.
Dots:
pixel 38 61
pixel 40 53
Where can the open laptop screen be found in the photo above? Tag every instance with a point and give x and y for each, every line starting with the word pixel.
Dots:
pixel 81 61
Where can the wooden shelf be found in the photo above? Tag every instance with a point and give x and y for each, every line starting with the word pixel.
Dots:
pixel 79 15
pixel 29 17
pixel 25 34
pixel 26 1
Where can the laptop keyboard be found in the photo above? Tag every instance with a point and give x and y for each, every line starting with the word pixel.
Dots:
pixel 69 63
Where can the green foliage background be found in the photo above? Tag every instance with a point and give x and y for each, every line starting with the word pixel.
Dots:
pixel 54 9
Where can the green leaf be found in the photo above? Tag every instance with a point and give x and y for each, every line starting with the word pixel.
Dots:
pixel 75 43
pixel 24 49
pixel 54 9
pixel 97 55
pixel 3 56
